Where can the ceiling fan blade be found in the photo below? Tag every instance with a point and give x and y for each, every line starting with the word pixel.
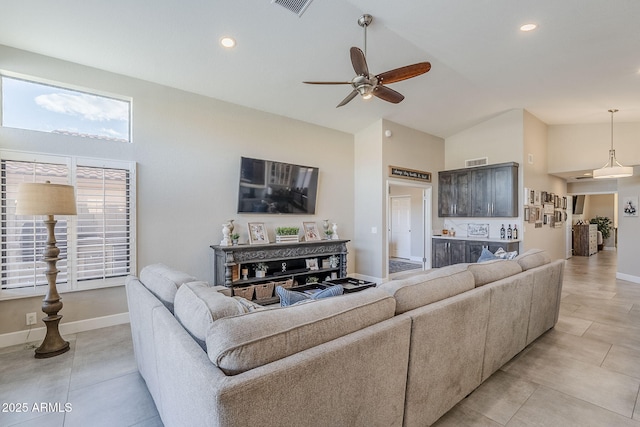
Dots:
pixel 348 98
pixel 387 94
pixel 359 62
pixel 404 73
pixel 327 83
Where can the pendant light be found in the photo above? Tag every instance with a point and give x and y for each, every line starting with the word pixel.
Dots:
pixel 613 169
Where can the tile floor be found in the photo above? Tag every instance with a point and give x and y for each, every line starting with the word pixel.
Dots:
pixel 584 372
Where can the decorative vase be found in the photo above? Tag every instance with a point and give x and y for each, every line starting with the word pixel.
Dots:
pixel 231 226
pixel 226 241
pixel 334 227
pixel 325 225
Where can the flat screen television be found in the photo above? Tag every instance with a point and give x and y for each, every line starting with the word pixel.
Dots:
pixel 276 187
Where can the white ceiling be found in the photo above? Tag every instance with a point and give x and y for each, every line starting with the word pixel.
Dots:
pixel 582 60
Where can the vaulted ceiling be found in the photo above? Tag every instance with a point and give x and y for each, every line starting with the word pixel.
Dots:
pixel 581 60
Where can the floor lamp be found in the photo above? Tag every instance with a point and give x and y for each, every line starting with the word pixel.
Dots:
pixel 49 199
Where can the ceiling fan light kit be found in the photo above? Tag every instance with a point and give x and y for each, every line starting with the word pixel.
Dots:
pixel 367 85
pixel 613 168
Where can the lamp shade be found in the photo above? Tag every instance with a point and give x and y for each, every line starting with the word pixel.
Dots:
pixel 613 172
pixel 45 199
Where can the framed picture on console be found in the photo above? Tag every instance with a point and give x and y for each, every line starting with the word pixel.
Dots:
pixel 312 263
pixel 257 233
pixel 310 231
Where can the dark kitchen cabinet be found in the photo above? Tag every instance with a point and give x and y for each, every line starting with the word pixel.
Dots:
pixel 447 251
pixel 453 193
pixel 484 191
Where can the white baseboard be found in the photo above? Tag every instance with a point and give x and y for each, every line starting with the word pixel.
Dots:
pixel 37 334
pixel 628 277
pixel 609 248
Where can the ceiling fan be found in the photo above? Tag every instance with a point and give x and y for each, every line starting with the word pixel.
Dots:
pixel 368 85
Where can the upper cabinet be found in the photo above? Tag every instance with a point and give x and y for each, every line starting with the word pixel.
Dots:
pixel 453 193
pixel 484 191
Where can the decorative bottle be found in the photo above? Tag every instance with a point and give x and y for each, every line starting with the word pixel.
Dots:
pixel 509 232
pixel 515 231
pixel 502 232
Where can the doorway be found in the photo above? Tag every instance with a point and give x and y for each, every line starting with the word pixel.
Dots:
pixel 409 208
pixel 400 227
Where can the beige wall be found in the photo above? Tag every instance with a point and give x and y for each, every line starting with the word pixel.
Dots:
pixel 374 153
pixel 368 201
pixel 187 148
pixel 499 139
pixel 535 165
pixel 628 230
pixel 78 306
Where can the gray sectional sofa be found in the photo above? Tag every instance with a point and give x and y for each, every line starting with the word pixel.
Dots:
pixel 403 353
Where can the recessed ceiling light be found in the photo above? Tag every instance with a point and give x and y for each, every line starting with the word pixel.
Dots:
pixel 227 42
pixel 528 27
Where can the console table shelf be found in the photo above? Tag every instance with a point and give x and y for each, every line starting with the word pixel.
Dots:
pixel 287 260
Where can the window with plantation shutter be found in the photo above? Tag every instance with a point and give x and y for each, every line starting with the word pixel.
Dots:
pixel 97 247
pixel 103 223
pixel 24 237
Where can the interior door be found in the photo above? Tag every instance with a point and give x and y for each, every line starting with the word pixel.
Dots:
pixel 400 233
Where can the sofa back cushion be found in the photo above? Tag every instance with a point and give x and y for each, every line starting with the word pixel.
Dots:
pixel 164 282
pixel 198 305
pixel 430 287
pixel 491 271
pixel 533 258
pixel 240 343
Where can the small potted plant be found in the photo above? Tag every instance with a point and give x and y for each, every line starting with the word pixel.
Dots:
pixel 234 238
pixel 261 269
pixel 327 234
pixel 287 234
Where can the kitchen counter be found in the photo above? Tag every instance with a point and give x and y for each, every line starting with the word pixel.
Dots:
pixel 476 239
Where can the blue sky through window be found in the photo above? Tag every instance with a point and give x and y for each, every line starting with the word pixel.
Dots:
pixel 46 108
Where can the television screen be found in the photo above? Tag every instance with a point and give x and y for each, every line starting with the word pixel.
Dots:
pixel 276 187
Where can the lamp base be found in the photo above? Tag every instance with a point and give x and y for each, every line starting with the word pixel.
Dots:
pixel 53 343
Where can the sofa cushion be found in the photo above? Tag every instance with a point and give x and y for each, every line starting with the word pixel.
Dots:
pixel 240 343
pixel 197 306
pixel 491 271
pixel 164 282
pixel 430 287
pixel 533 258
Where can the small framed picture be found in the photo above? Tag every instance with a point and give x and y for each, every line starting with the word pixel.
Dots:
pixel 310 231
pixel 630 206
pixel 257 233
pixel 527 214
pixel 312 263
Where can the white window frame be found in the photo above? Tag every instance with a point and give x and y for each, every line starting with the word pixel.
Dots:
pixel 72 283
pixel 66 86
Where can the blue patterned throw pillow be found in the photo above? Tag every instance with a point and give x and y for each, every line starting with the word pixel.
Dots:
pixel 332 291
pixel 288 297
pixel 486 255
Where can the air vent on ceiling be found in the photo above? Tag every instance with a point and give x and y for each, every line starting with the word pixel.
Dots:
pixel 296 6
pixel 476 162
